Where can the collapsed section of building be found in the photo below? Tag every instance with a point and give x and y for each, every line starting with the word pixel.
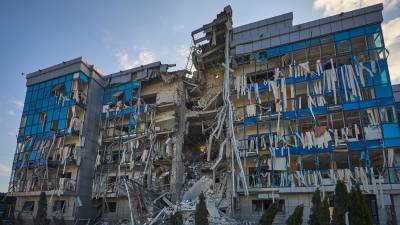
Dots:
pixel 271 112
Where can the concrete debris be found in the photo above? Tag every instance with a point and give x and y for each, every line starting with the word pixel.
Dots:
pixel 200 186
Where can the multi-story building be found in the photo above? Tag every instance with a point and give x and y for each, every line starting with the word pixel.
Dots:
pixel 139 140
pixel 313 104
pixel 57 140
pixel 81 133
pixel 272 112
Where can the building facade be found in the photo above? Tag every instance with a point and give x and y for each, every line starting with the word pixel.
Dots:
pixel 271 112
pixel 314 105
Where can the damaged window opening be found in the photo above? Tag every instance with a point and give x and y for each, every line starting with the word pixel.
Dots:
pixel 28 206
pixel 111 207
pixel 260 206
pixel 59 206
pixel 151 99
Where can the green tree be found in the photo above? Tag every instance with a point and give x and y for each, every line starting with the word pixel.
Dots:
pixel 297 217
pixel 325 215
pixel 269 215
pixel 176 219
pixel 316 208
pixel 200 215
pixel 41 214
pixel 319 214
pixel 340 204
pixel 358 208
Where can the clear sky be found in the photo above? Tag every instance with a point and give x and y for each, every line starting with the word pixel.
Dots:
pixel 115 35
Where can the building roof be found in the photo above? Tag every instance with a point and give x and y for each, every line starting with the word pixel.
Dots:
pixel 279 30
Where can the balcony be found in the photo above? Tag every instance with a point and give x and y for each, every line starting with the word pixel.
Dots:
pixel 35 187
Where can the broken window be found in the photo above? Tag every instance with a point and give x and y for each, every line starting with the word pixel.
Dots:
pixel 314 54
pixel 150 99
pixel 309 162
pixel 291 99
pixel 119 95
pixel 375 41
pixel 377 54
pixel 358 44
pixel 111 207
pixel 299 56
pixel 54 125
pixel 353 125
pixel 327 48
pixel 58 92
pixel 23 121
pixel 343 47
pixel 245 59
pixel 301 93
pixel 116 156
pixel 110 183
pixel 340 159
pixel 336 120
pixel 257 206
pixel 28 206
pixel 274 62
pixel 324 161
pixel 260 206
pixel 368 93
pixel 305 124
pixel 59 206
pixel 66 175
pixel 42 117
pixel 387 114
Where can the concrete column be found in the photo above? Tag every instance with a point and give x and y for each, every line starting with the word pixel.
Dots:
pixel 177 168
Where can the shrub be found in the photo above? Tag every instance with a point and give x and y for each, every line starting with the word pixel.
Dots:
pixel 176 219
pixel 297 217
pixel 269 215
pixel 201 214
pixel 319 214
pixel 358 208
pixel 340 204
pixel 41 214
pixel 325 214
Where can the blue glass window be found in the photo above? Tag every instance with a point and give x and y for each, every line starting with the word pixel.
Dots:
pixel 357 32
pixel 49 115
pixel 83 77
pixel 273 52
pixel 299 45
pixel 285 49
pixel 32 155
pixel 47 128
pixel 383 91
pixel 56 113
pixel 375 41
pixel 64 113
pixel 391 130
pixel 61 124
pixel 341 36
pixel 315 42
pixel 34 96
pixel 373 29
pixel 381 77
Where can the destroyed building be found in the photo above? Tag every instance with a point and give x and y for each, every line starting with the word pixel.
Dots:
pixel 265 112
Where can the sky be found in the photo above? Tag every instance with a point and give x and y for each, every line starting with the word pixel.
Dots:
pixel 116 35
